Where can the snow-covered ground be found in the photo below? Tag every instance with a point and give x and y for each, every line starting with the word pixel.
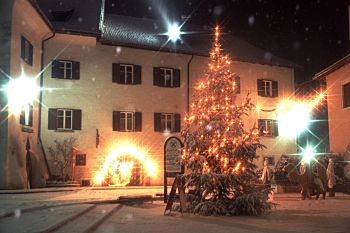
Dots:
pixel 291 215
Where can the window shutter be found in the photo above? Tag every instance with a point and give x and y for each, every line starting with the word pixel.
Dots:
pixel 30 55
pixel 23 47
pixel 157 126
pixel 76 70
pixel 260 89
pixel 238 85
pixel 156 76
pixel 177 123
pixel 30 123
pixel 116 73
pixel 261 126
pixel 116 121
pixel 138 122
pixel 76 119
pixel 56 72
pixel 176 80
pixel 52 118
pixel 275 128
pixel 137 74
pixel 274 88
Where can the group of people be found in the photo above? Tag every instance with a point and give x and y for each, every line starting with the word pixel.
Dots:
pixel 322 181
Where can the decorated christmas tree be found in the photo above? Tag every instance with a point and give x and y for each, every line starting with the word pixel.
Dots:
pixel 219 153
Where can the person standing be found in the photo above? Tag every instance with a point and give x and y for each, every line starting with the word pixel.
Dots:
pixel 265 176
pixel 331 182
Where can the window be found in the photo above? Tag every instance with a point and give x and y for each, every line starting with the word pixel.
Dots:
pixel 267 88
pixel 64 119
pixel 125 121
pixel 26 51
pixel 62 15
pixel 80 160
pixel 167 122
pixel 166 77
pixel 126 74
pixel 237 85
pixel 26 115
pixel 268 127
pixel 65 69
pixel 346 95
pixel 270 160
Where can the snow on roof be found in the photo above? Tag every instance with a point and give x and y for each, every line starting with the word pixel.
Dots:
pixel 151 34
pixel 83 17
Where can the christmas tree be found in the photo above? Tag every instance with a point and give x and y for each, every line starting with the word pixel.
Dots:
pixel 218 153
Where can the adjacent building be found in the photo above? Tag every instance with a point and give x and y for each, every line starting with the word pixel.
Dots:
pixel 337 78
pixel 116 84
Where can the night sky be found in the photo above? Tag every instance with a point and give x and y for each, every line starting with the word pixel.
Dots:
pixel 311 33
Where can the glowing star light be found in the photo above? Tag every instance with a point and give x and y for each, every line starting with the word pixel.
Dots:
pixel 293 118
pixel 308 154
pixel 21 91
pixel 174 32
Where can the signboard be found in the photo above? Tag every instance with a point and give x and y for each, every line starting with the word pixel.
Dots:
pixel 172 155
pixel 172 161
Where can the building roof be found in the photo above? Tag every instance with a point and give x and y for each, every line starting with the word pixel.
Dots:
pixel 84 17
pixel 72 16
pixel 332 68
pixel 151 34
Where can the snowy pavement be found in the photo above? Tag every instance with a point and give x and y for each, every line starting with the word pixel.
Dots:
pixel 65 212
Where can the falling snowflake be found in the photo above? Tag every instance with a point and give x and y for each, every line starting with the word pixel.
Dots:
pixel 149 8
pixel 80 19
pixel 17 213
pixel 267 56
pixel 218 10
pixel 296 44
pixel 251 20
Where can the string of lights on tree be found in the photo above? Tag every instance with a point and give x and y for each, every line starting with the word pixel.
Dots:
pixel 218 151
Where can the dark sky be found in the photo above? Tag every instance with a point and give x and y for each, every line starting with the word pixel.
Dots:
pixel 311 33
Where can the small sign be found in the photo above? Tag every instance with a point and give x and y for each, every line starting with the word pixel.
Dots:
pixel 172 155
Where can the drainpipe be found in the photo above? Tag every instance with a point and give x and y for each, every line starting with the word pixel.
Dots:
pixel 40 100
pixel 188 84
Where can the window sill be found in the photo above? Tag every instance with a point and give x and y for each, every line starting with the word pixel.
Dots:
pixel 64 130
pixel 165 86
pixel 27 129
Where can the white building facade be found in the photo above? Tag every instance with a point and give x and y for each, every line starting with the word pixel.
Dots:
pixel 113 84
pixel 337 78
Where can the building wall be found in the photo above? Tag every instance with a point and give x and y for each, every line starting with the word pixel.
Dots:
pixel 339 123
pixel 97 97
pixel 31 26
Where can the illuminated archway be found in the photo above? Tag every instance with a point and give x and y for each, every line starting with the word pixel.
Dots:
pixel 121 162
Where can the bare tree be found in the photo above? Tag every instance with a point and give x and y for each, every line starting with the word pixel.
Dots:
pixel 62 154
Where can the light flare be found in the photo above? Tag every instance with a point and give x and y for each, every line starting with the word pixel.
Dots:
pixel 121 161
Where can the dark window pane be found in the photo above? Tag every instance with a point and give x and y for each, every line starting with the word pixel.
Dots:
pixel 346 95
pixel 60 122
pixel 68 123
